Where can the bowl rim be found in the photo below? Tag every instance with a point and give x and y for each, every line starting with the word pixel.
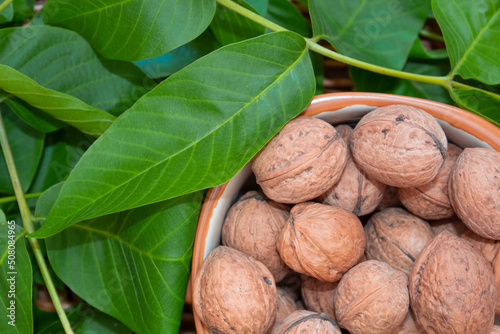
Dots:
pixel 458 118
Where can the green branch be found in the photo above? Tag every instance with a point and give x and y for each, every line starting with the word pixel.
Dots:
pixel 4 4
pixel 28 226
pixel 14 198
pixel 431 35
pixel 313 45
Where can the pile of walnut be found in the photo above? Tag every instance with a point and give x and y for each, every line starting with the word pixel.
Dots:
pixel 402 272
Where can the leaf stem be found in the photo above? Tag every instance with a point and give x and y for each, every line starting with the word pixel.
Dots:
pixel 13 198
pixel 431 35
pixel 4 4
pixel 28 226
pixel 313 45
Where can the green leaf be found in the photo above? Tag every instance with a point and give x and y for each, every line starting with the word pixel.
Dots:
pixel 7 14
pixel 230 27
pixel 26 145
pixel 471 31
pixel 84 319
pixel 419 52
pixel 20 271
pixel 483 102
pixel 61 106
pixel 119 263
pixel 63 61
pixel 173 61
pixel 379 32
pixel 34 117
pixel 366 81
pixel 284 13
pixel 304 3
pixel 193 131
pixel 23 9
pixel 132 29
pixel 259 5
pixel 62 151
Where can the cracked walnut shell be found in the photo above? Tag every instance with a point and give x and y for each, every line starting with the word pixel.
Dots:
pixel 430 200
pixel 321 241
pixel 252 226
pixel 301 162
pixel 399 145
pixel 234 293
pixel 452 288
pixel 372 298
pixel 396 237
pixel 474 190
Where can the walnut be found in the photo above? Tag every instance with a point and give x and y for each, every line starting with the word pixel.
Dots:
pixel 396 237
pixel 306 322
pixel 318 295
pixel 321 241
pixel 399 145
pixel 355 191
pixel 301 162
pixel 495 330
pixel 285 306
pixel 372 298
pixel 291 284
pixel 430 200
pixel 474 189
pixel 234 293
pixel 390 199
pixel 410 325
pixel 496 272
pixel 453 225
pixel 452 288
pixel 487 247
pixel 252 226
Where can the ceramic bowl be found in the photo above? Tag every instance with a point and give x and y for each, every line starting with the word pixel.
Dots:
pixel 461 127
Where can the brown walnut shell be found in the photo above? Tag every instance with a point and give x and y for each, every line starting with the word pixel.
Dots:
pixel 285 306
pixel 390 199
pixel 430 200
pixel 453 225
pixel 496 271
pixel 321 241
pixel 410 325
pixel 452 288
pixel 487 247
pixel 372 298
pixel 306 322
pixel 474 189
pixel 305 159
pixel 318 296
pixel 355 191
pixel 399 145
pixel 396 237
pixel 495 330
pixel 234 293
pixel 252 225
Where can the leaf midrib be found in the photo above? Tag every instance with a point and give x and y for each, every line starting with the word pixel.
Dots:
pixel 289 69
pixel 473 44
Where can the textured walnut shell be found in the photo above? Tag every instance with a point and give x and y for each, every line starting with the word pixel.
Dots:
pixel 356 191
pixel 285 306
pixel 252 225
pixel 430 200
pixel 452 225
pixel 474 189
pixel 495 330
pixel 390 199
pixel 399 145
pixel 396 237
pixel 234 293
pixel 496 272
pixel 318 296
pixel 487 247
pixel 452 288
pixel 410 325
pixel 306 322
pixel 305 159
pixel 321 241
pixel 372 298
